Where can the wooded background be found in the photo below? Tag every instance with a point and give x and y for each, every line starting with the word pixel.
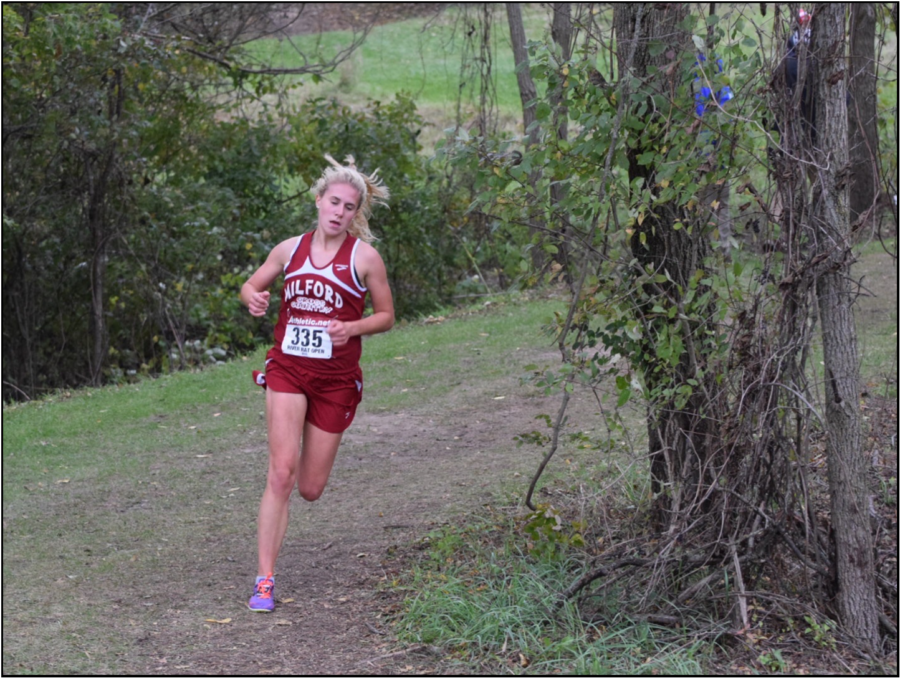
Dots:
pixel 151 160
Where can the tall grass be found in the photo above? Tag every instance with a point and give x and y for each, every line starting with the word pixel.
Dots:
pixel 477 594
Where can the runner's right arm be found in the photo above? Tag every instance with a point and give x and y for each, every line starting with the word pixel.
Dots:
pixel 255 292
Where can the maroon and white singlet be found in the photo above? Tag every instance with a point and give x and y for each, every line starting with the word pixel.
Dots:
pixel 304 359
pixel 312 297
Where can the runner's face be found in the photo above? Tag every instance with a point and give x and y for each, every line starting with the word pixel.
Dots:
pixel 337 207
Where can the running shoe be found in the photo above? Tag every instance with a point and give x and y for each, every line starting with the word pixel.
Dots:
pixel 262 600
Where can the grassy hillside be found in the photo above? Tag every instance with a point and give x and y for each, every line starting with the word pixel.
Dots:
pixel 129 512
pixel 116 500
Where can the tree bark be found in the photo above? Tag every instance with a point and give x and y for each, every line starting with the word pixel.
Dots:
pixel 527 90
pixel 528 95
pixel 98 175
pixel 856 596
pixel 97 227
pixel 680 438
pixel 862 110
pixel 562 32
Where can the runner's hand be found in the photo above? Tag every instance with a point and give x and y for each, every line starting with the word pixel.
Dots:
pixel 259 303
pixel 337 330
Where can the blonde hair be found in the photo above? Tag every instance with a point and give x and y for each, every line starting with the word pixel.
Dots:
pixel 371 189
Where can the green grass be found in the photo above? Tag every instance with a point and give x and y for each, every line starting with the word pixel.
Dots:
pixel 478 595
pixel 875 311
pixel 140 483
pixel 106 484
pixel 876 317
pixel 188 411
pixel 421 56
pixel 425 362
pixel 115 498
pixel 95 434
pixel 99 488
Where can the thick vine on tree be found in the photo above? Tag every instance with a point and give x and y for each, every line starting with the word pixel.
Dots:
pixel 681 439
pixel 714 345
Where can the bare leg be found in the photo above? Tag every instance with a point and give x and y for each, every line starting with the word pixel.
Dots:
pixel 319 451
pixel 285 413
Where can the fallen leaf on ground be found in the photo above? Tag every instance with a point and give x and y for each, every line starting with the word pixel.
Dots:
pixel 227 620
pixel 286 600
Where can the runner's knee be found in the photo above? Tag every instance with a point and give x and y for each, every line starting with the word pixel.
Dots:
pixel 310 491
pixel 282 478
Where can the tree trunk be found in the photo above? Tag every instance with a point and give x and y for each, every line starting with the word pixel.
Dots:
pixel 98 176
pixel 861 111
pixel 562 32
pixel 528 95
pixel 527 90
pixel 856 596
pixel 680 438
pixel 97 227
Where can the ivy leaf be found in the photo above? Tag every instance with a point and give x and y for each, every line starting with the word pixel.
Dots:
pixel 647 158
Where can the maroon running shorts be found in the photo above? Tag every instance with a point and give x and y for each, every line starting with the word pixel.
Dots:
pixel 332 399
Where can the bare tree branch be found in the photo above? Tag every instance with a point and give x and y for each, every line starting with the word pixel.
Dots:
pixel 217 32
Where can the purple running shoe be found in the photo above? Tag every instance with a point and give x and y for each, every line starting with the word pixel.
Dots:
pixel 262 600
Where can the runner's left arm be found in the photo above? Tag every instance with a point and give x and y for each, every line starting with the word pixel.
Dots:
pixel 373 273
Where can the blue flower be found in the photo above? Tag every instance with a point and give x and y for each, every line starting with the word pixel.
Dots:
pixel 704 93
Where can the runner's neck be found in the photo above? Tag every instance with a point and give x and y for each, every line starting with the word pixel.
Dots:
pixel 326 248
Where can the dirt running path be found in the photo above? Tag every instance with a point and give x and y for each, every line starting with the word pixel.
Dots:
pixel 397 476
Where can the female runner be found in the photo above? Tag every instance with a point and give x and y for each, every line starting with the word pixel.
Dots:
pixel 312 376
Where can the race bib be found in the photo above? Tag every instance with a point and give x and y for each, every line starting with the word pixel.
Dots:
pixel 306 342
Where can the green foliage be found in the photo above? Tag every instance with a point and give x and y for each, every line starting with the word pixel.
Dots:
pixel 138 199
pixel 664 321
pixel 821 633
pixel 774 662
pixel 415 234
pixel 888 490
pixel 114 208
pixel 548 533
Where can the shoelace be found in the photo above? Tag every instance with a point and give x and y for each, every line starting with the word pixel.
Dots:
pixel 264 587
